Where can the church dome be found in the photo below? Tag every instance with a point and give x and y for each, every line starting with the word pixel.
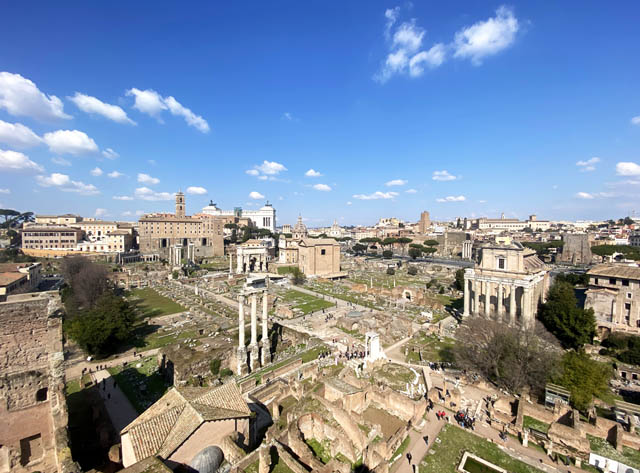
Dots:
pixel 208 460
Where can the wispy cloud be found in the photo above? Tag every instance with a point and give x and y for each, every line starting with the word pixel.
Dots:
pixel 312 173
pixel 147 179
pixel 152 103
pixel 636 120
pixel 195 190
pixel 322 187
pixel 16 161
pixel 21 97
pixel 396 182
pixel 144 193
pixel 376 195
pixel 94 106
pixel 96 172
pixel 411 191
pixel 588 165
pixel 452 198
pixel 255 195
pixel 64 183
pixel 18 135
pixel 443 176
pixel 72 142
pixel 268 170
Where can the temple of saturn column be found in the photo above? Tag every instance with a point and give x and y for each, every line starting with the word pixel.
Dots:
pixel 507 284
pixel 258 352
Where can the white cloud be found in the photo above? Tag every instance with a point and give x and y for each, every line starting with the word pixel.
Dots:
pixel 196 121
pixel 252 172
pixel 60 161
pixel 72 142
pixel 122 197
pixel 115 174
pixel 21 97
pixel 391 14
pixel 594 195
pixel 17 135
pixel 588 165
pixel 110 154
pixel 147 179
pixel 322 187
pixel 65 184
pixel 145 193
pixel 129 213
pixel 396 182
pixel 411 191
pixel 432 58
pixel 148 101
pixel 349 202
pixel 152 103
pixel 255 195
pixel 289 117
pixel 271 168
pixel 486 38
pixel 16 161
pixel 636 120
pixel 100 212
pixel 152 162
pixel 452 198
pixel 312 173
pixel 196 190
pixel 96 172
pixel 92 105
pixel 627 169
pixel 376 195
pixel 443 176
pixel 5 191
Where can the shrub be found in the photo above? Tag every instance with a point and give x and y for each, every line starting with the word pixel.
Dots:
pixel 412 271
pixel 214 366
pixel 387 254
pixel 391 271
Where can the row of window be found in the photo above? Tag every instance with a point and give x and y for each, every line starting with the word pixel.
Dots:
pixel 41 234
pixel 612 281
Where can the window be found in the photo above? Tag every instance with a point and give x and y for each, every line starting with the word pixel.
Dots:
pixel 625 282
pixel 41 394
pixel 612 281
pixel 30 449
pixel 629 295
pixel 501 263
pixel 323 252
pixel 595 281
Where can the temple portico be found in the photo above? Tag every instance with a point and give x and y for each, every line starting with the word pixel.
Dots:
pixel 506 285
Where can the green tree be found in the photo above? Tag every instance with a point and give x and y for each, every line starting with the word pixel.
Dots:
pixel 403 242
pixel 214 366
pixel 391 271
pixel 387 254
pixel 431 243
pixel 459 282
pixel 572 325
pixel 359 249
pixel 414 253
pixel 429 251
pixel 8 215
pixel 101 329
pixel 297 276
pixel 412 270
pixel 584 378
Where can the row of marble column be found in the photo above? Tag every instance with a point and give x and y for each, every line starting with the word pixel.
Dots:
pixel 244 262
pixel 486 289
pixel 257 351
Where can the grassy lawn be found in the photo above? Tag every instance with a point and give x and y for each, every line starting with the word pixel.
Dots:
pixel 531 423
pixel 143 386
pixel 305 302
pixel 151 304
pixel 340 292
pixel 431 347
pixel 395 376
pixel 454 441
pixel 629 456
pixel 156 339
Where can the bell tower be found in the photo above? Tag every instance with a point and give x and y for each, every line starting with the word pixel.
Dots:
pixel 180 210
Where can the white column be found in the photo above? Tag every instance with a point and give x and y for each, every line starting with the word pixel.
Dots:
pixel 466 298
pixel 476 297
pixel 265 302
pixel 526 308
pixel 512 304
pixel 499 303
pixel 254 319
pixel 240 321
pixel 487 299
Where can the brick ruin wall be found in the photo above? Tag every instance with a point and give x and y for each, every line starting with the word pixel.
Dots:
pixel 32 400
pixel 576 249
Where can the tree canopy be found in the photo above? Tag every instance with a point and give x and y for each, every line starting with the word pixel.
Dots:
pixel 572 325
pixel 459 282
pixel 584 378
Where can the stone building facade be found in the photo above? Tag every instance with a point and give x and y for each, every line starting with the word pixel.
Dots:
pixel 575 249
pixel 507 283
pixel 55 237
pixel 614 296
pixel 33 436
pixel 162 233
pixel 254 255
pixel 265 217
pixel 425 223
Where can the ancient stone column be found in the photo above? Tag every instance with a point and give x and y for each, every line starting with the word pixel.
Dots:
pixel 488 287
pixel 527 321
pixel 476 297
pixel 499 303
pixel 466 298
pixel 512 304
pixel 242 351
pixel 253 346
pixel 265 330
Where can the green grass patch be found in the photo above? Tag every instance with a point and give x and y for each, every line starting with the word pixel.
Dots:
pixel 454 441
pixel 401 448
pixel 432 348
pixel 143 386
pixel 531 423
pixel 320 450
pixel 286 269
pixel 149 303
pixel 628 456
pixel 307 303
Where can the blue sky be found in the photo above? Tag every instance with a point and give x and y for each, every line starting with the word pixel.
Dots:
pixel 459 108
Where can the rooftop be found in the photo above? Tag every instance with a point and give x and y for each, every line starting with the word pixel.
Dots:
pixel 615 270
pixel 9 278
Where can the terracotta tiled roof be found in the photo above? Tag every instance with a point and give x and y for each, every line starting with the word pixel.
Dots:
pixel 162 428
pixel 8 278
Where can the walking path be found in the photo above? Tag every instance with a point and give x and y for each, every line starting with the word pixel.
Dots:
pixel 75 370
pixel 118 406
pixel 418 447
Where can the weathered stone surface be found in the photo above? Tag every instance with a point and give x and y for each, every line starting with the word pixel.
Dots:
pixel 208 460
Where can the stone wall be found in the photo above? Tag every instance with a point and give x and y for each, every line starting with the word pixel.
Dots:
pixel 575 249
pixel 32 400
